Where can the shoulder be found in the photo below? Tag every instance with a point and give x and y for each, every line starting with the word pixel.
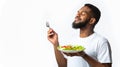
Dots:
pixel 101 41
pixel 100 38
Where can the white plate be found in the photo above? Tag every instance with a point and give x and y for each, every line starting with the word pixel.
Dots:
pixel 70 51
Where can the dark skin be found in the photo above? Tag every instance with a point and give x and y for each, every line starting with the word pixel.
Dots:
pixel 53 38
pixel 83 14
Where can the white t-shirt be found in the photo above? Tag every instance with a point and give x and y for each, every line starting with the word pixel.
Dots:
pixel 96 46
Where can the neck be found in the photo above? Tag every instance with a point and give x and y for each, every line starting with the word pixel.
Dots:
pixel 86 32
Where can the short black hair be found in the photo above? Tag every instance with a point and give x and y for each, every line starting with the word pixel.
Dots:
pixel 96 12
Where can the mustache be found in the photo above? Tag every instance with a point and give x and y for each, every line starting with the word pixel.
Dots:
pixel 77 18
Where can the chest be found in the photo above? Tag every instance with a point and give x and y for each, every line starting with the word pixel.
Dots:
pixel 90 48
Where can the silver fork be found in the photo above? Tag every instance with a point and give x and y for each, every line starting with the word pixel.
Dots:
pixel 47 24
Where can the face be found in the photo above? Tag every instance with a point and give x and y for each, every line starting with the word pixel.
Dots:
pixel 82 18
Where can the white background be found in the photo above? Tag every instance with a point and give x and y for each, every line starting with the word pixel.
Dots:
pixel 23 34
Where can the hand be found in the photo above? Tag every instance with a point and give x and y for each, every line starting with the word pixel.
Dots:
pixel 53 37
pixel 82 53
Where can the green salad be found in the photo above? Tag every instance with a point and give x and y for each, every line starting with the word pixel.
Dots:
pixel 71 47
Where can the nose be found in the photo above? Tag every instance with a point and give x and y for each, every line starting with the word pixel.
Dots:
pixel 77 14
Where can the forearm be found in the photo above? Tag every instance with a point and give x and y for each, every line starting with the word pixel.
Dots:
pixel 94 63
pixel 62 62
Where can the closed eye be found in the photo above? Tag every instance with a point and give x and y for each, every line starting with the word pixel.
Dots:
pixel 83 13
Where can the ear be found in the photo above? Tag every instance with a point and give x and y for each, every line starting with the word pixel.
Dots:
pixel 92 21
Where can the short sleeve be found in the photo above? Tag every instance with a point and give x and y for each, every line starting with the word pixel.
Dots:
pixel 104 52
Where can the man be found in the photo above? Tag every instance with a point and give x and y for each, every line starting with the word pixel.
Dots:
pixel 97 52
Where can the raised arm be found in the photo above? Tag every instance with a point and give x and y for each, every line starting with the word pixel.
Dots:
pixel 53 38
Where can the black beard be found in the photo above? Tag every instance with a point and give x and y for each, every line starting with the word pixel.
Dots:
pixel 79 24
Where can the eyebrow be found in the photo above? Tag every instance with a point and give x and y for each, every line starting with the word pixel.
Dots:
pixel 83 11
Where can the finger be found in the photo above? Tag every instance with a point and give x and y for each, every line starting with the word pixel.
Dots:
pixel 73 54
pixel 51 31
pixel 68 54
pixel 65 53
pixel 82 53
pixel 78 54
